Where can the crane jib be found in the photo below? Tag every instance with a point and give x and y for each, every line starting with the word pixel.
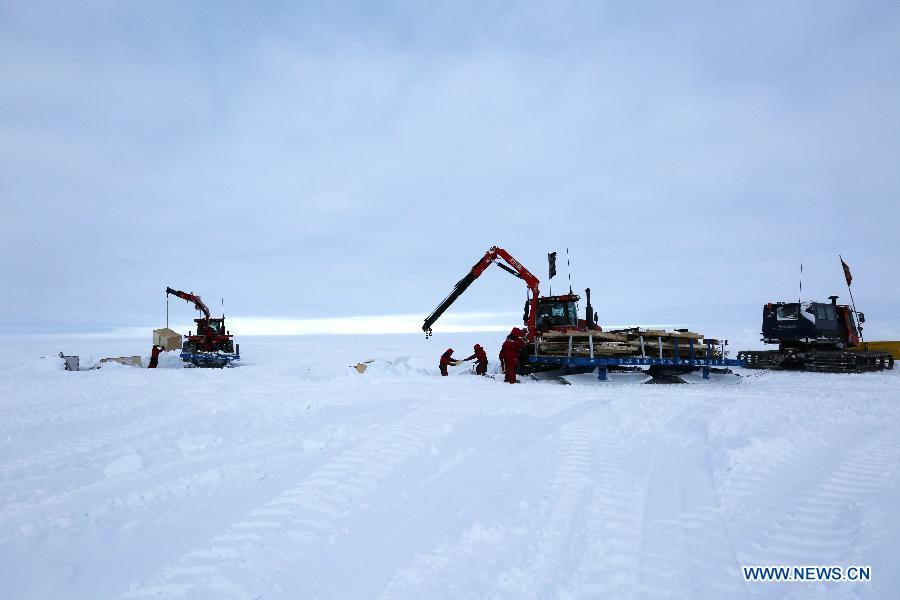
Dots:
pixel 508 270
pixel 491 256
pixel 458 289
pixel 192 298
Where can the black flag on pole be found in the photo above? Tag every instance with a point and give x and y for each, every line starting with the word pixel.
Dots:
pixel 847 274
pixel 551 259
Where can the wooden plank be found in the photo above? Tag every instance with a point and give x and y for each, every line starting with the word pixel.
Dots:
pixel 597 335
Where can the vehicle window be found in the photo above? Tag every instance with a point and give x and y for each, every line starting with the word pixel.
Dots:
pixel 558 314
pixel 788 312
pixel 829 311
pixel 821 313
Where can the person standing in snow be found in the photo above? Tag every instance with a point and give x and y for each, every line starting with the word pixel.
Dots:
pixel 154 356
pixel 509 354
pixel 446 360
pixel 480 357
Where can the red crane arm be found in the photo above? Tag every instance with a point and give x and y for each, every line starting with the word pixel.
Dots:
pixel 198 303
pixel 491 256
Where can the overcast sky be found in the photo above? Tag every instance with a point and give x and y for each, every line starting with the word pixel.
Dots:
pixel 324 160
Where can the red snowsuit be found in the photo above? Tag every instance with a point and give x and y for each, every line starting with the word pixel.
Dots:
pixel 154 356
pixel 480 357
pixel 509 355
pixel 446 359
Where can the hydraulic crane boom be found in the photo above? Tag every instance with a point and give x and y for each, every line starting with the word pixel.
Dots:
pixel 491 256
pixel 198 303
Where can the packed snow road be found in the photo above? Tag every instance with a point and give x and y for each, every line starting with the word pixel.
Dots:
pixel 293 476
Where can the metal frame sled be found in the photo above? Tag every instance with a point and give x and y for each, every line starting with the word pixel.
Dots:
pixel 697 367
pixel 210 360
pixel 612 378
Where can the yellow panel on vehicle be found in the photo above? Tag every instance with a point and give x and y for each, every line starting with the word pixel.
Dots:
pixel 892 347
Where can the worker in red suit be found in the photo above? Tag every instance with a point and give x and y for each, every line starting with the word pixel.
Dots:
pixel 154 356
pixel 509 354
pixel 519 335
pixel 516 333
pixel 480 357
pixel 446 360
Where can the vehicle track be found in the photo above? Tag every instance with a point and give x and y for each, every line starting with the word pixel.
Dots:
pixel 183 477
pixel 686 551
pixel 580 497
pixel 40 415
pixel 558 532
pixel 245 559
pixel 609 563
pixel 816 524
pixel 20 478
pixel 170 471
pixel 82 458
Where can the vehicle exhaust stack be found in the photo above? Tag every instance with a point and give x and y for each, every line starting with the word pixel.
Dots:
pixel 589 310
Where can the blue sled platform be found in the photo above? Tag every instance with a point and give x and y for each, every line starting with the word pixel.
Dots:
pixel 602 364
pixel 210 360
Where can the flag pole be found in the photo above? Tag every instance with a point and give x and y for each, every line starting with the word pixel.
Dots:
pixel 852 301
pixel 800 293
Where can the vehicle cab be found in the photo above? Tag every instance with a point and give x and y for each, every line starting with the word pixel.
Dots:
pixel 555 312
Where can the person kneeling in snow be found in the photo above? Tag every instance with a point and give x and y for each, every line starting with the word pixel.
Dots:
pixel 446 360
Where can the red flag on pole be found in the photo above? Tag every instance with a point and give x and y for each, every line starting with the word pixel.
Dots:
pixel 847 274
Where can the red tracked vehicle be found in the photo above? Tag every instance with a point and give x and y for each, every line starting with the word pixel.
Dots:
pixel 212 345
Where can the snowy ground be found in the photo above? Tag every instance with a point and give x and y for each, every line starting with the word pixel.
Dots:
pixel 295 477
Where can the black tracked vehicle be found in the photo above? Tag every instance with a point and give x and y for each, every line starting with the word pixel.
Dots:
pixel 814 336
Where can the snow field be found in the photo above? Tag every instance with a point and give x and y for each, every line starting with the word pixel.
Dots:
pixel 294 477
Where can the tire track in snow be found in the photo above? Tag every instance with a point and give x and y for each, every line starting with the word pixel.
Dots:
pixel 185 473
pixel 25 420
pixel 820 523
pixel 86 452
pixel 496 557
pixel 609 564
pixel 780 469
pixel 216 469
pixel 558 534
pixel 90 452
pixel 244 560
pixel 686 551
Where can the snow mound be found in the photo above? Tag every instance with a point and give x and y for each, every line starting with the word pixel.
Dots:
pixel 40 366
pixel 388 368
pixel 167 360
pixel 128 463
